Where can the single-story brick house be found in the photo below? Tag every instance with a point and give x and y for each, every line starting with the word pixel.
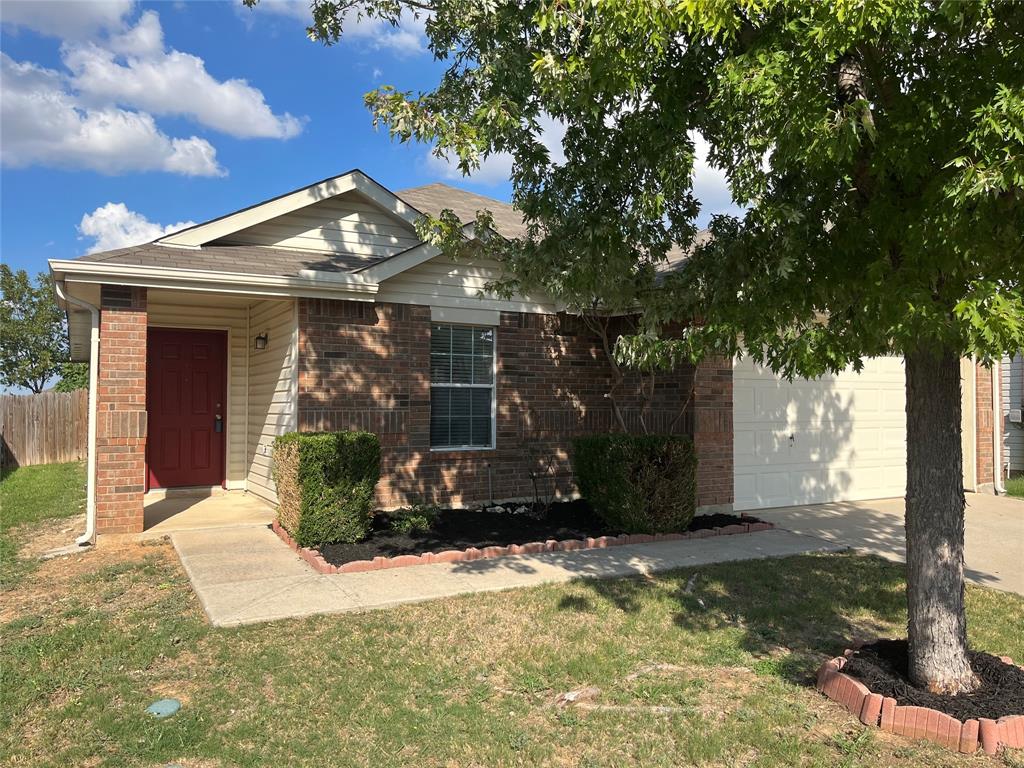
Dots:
pixel 322 309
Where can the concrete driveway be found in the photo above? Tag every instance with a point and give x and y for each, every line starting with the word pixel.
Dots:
pixel 994 533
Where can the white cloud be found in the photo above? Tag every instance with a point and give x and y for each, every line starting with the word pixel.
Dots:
pixel 115 226
pixel 407 39
pixel 66 19
pixel 146 38
pixel 43 123
pixel 494 169
pixel 99 114
pixel 133 69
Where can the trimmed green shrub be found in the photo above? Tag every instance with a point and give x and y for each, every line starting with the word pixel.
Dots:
pixel 325 484
pixel 638 483
pixel 417 518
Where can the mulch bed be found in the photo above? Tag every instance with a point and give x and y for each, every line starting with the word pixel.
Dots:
pixel 464 528
pixel 882 666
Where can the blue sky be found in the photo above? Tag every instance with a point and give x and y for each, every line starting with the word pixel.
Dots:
pixel 121 119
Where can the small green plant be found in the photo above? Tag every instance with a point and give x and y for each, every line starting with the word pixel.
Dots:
pixel 417 518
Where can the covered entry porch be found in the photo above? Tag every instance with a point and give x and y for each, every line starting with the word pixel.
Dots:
pixel 191 388
pixel 168 511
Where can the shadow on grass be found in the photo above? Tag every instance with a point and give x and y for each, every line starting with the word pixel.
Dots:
pixel 789 613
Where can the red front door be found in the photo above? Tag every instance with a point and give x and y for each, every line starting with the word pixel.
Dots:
pixel 186 374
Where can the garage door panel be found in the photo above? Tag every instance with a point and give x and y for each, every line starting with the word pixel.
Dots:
pixel 743 402
pixel 838 438
pixel 745 444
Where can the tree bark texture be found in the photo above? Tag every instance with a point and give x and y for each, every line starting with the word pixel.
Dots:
pixel 937 626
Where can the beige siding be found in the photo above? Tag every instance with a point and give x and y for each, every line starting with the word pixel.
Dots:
pixel 272 388
pixel 180 310
pixel 442 282
pixel 1012 391
pixel 344 224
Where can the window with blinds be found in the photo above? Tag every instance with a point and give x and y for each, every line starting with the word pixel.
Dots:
pixel 461 386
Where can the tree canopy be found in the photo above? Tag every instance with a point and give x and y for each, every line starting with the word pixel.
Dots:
pixel 876 145
pixel 878 149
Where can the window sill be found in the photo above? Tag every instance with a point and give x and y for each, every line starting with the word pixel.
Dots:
pixel 466 449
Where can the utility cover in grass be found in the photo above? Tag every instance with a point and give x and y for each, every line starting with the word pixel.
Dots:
pixel 163 708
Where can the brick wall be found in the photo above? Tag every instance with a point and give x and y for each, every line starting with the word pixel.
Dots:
pixel 983 422
pixel 366 366
pixel 713 433
pixel 121 410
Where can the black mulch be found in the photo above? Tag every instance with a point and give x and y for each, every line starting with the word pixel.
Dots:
pixel 882 667
pixel 462 528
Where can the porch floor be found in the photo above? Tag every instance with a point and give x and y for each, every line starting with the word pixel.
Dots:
pixel 223 509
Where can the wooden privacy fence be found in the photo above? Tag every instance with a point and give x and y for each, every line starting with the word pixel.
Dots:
pixel 43 429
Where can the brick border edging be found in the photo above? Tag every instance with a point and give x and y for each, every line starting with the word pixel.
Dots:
pixel 883 712
pixel 319 564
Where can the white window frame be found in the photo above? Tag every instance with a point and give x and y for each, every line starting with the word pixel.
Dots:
pixel 493 386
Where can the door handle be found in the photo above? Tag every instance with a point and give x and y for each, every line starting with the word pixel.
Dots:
pixel 218 423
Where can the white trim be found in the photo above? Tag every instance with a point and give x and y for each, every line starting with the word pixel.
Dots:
pixel 89 536
pixel 407 259
pixel 293 201
pixel 295 368
pixel 314 284
pixel 458 316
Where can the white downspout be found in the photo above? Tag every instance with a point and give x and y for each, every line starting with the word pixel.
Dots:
pixel 89 537
pixel 997 432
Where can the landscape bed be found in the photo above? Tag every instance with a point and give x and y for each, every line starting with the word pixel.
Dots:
pixel 871 682
pixel 462 529
pixel 882 667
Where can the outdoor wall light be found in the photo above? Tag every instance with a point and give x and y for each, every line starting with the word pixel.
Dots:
pixel 261 341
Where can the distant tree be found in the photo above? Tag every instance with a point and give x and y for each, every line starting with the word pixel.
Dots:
pixel 33 340
pixel 73 376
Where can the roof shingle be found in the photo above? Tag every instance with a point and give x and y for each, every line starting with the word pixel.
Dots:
pixel 266 260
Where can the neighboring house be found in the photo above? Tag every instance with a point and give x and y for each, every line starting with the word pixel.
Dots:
pixel 321 309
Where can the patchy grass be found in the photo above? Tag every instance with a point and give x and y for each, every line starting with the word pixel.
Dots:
pixel 88 642
pixel 1015 486
pixel 31 495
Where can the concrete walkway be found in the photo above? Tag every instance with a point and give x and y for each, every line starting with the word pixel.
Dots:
pixel 247 575
pixel 994 533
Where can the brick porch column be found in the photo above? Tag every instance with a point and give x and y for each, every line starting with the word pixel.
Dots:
pixel 121 410
pixel 713 434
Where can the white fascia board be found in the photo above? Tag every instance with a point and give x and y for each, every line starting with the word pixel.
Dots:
pixel 317 285
pixel 407 259
pixel 233 222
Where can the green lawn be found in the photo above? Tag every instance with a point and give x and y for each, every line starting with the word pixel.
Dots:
pixel 32 495
pixel 1015 486
pixel 88 642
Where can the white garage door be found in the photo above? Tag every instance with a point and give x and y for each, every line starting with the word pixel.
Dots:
pixel 838 438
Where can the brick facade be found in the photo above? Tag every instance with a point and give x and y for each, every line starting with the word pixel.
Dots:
pixel 366 366
pixel 983 425
pixel 121 410
pixel 713 433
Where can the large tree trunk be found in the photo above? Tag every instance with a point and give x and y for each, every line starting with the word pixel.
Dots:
pixel 937 628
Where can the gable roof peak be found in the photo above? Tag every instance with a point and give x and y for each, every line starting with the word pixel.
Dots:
pixel 355 180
